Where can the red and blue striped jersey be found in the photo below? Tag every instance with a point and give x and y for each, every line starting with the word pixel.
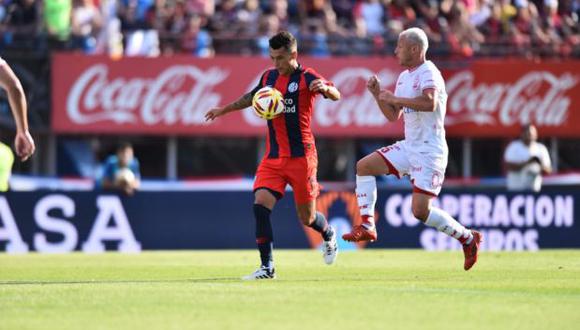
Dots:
pixel 290 135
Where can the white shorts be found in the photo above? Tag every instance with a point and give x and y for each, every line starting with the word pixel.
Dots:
pixel 426 169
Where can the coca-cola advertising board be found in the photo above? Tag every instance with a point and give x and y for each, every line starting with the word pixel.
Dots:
pixel 493 98
pixel 170 96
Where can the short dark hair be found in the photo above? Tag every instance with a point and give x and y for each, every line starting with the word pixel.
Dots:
pixel 124 145
pixel 283 39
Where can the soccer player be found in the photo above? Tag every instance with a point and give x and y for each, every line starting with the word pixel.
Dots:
pixel 290 156
pixel 421 98
pixel 23 142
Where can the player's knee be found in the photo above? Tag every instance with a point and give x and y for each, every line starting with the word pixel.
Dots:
pixel 260 200
pixel 420 212
pixel 363 167
pixel 264 198
pixel 306 217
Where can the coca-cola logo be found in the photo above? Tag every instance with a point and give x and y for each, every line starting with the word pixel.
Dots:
pixel 357 106
pixel 179 94
pixel 537 96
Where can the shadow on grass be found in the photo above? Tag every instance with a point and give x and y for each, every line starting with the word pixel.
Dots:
pixel 195 280
pixel 208 280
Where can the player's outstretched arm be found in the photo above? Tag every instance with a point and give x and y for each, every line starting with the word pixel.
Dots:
pixel 242 103
pixel 23 142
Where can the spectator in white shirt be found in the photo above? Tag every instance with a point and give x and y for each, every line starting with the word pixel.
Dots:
pixel 526 160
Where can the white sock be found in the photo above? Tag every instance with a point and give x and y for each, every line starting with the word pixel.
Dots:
pixel 366 195
pixel 445 223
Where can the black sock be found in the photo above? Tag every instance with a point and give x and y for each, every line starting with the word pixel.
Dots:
pixel 321 225
pixel 264 236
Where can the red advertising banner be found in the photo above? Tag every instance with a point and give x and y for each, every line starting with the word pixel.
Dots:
pixel 170 96
pixel 493 98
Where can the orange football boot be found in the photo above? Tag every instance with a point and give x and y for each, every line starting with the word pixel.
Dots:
pixel 360 233
pixel 470 250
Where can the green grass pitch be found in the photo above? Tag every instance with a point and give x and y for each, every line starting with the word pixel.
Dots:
pixel 370 289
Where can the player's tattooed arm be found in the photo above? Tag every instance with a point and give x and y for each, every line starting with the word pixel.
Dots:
pixel 243 102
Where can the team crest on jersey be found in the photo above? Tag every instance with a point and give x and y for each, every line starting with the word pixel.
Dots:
pixel 293 87
pixel 416 83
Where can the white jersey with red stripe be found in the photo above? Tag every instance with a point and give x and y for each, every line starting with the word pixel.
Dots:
pixel 423 154
pixel 424 131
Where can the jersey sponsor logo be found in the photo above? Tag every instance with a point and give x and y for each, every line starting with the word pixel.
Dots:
pixel 290 106
pixel 416 83
pixel 415 168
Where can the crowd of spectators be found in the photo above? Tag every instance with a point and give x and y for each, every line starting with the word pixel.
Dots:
pixel 324 27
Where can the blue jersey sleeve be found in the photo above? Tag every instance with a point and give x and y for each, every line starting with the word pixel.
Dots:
pixel 109 169
pixel 135 167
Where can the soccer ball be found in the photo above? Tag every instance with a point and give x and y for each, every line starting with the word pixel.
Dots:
pixel 268 103
pixel 125 175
